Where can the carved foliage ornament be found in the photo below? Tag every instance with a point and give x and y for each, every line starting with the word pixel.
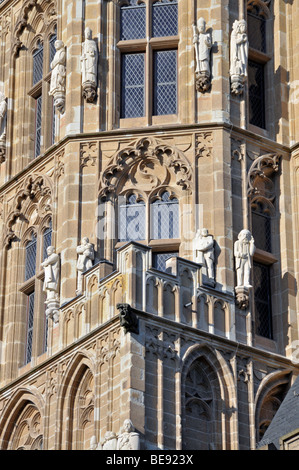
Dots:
pixel 260 186
pixel 35 186
pixel 22 21
pixel 149 163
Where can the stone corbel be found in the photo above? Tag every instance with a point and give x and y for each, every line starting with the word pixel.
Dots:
pixel 242 297
pixel 52 311
pixel 128 318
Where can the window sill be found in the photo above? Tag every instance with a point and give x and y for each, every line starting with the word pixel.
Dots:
pixel 264 257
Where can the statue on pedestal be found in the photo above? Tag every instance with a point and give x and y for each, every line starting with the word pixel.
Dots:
pixel 238 56
pixel 89 65
pixel 204 254
pixel 244 249
pixel 85 260
pixel 58 76
pixel 51 266
pixel 202 43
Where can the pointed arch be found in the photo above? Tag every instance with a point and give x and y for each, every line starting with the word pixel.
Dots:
pixel 150 161
pixel 270 394
pixel 77 377
pixel 25 404
pixel 208 400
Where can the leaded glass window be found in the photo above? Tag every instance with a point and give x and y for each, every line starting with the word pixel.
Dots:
pixel 164 18
pixel 165 218
pixel 38 125
pixel 132 85
pixel 52 49
pixel 30 259
pixel 261 230
pixel 256 94
pixel 30 320
pixel 262 298
pixel 47 240
pixel 132 223
pixel 159 260
pixel 256 24
pixel 133 20
pixel 165 82
pixel 143 21
pixel 38 57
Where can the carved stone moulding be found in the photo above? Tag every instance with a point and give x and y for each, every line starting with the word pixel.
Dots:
pixel 242 297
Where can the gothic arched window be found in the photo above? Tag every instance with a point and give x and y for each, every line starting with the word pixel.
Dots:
pixel 165 217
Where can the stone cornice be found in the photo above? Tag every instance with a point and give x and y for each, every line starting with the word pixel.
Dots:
pixel 153 130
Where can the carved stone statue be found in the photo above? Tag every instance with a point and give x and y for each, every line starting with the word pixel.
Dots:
pixel 109 442
pixel 58 76
pixel 202 43
pixel 51 269
pixel 128 439
pixel 244 249
pixel 89 65
pixel 3 110
pixel 238 56
pixel 85 259
pixel 204 254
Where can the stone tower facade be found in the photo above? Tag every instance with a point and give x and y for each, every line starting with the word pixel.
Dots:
pixel 149 206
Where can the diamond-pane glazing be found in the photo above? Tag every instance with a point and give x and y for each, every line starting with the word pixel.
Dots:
pixel 38 125
pixel 38 57
pixel 256 94
pixel 30 318
pixel 133 21
pixel 256 31
pixel 30 260
pixel 164 19
pixel 165 218
pixel 47 240
pixel 159 260
pixel 132 85
pixel 52 47
pixel 261 231
pixel 262 299
pixel 165 82
pixel 132 220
